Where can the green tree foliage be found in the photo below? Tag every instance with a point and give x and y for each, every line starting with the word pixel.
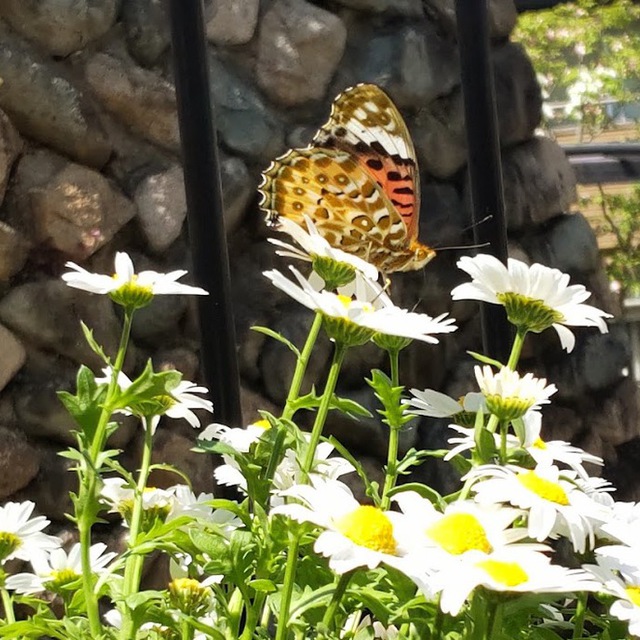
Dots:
pixel 584 52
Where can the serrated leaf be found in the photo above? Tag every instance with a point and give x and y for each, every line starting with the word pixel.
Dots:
pixel 394 412
pixel 279 337
pixel 93 345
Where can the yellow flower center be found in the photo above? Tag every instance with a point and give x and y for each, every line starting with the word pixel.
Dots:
pixel 9 542
pixel 60 579
pixel 189 596
pixel 544 488
pixel 263 424
pixel 510 574
pixel 368 527
pixel 459 532
pixel 539 444
pixel 633 592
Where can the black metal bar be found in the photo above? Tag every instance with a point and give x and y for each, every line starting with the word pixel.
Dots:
pixel 605 149
pixel 485 171
pixel 205 208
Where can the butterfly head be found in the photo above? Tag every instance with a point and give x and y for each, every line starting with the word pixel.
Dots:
pixel 421 255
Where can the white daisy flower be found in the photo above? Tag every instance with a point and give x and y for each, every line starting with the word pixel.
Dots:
pixel 555 504
pixel 621 582
pixel 547 453
pixel 343 316
pixel 57 569
pixel 127 287
pixel 439 405
pixel 178 403
pixel 186 503
pixel 156 503
pixel 354 535
pixel 21 535
pixel 229 473
pixel 623 523
pixel 464 526
pixel 509 395
pixel 535 297
pixel 511 570
pixel 314 246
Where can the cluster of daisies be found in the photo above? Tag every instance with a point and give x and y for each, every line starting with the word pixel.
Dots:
pixel 520 496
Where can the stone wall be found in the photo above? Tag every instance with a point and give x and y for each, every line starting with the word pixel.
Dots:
pixel 89 164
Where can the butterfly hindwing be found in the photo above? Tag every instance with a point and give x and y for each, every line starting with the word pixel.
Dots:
pixel 344 201
pixel 365 122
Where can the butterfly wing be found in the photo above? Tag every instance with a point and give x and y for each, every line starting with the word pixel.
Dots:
pixel 365 123
pixel 344 201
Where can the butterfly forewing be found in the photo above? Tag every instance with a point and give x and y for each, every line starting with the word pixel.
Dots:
pixel 364 120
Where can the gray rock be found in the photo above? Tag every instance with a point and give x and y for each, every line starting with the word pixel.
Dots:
pixel 238 188
pixel 10 147
pixel 299 48
pixel 147 29
pixel 232 22
pixel 408 8
pixel 179 359
pixel 19 462
pixel 162 207
pixel 246 125
pixel 66 206
pixel 569 244
pixel 60 26
pixel 48 314
pixel 158 322
pixel 139 98
pixel 439 136
pixel 46 105
pixel 14 250
pixel 518 95
pixel 50 488
pixel 616 421
pixel 413 63
pixel 603 357
pixel 539 182
pixel 12 356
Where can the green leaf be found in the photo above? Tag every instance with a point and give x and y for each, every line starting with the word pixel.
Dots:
pixel 95 347
pixel 394 412
pixel 486 359
pixel 263 585
pixel 279 337
pixel 423 490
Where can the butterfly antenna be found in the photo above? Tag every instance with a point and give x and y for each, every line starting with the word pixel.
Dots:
pixel 480 245
pixel 477 223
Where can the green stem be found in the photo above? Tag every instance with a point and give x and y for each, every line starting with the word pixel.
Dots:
pixel 394 366
pixel 301 366
pixel 504 430
pixel 439 620
pixel 133 564
pixel 323 409
pixel 578 618
pixel 516 349
pixel 482 613
pixel 89 482
pixel 391 470
pixel 186 630
pixel 287 587
pixel 329 615
pixel 7 604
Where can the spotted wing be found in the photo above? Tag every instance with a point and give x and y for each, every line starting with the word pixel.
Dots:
pixel 344 201
pixel 365 123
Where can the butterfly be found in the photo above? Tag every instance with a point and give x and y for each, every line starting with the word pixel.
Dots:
pixel 358 181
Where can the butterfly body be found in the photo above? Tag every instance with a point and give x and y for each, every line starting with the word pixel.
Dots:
pixel 357 181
